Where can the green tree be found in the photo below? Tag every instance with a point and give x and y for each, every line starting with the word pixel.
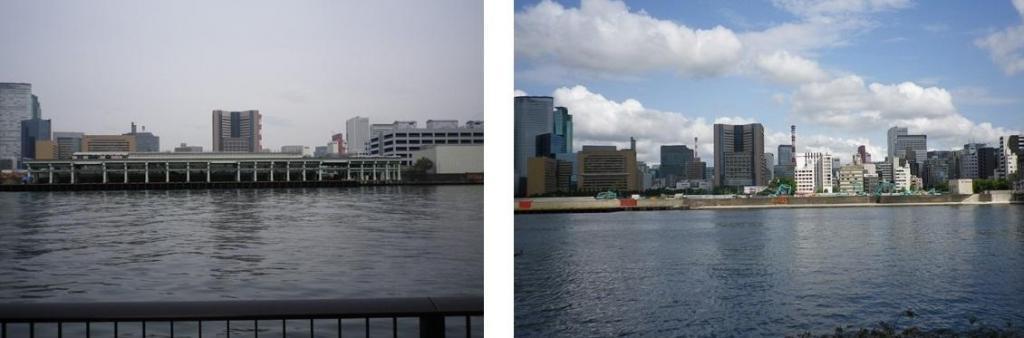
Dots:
pixel 422 165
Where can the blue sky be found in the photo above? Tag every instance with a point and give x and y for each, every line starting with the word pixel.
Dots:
pixel 841 70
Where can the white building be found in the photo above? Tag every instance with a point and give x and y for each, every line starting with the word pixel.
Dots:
pixel 16 105
pixel 1009 147
pixel 402 138
pixel 901 178
pixel 813 173
pixel 452 159
pixel 851 179
pixel 357 135
pixel 297 149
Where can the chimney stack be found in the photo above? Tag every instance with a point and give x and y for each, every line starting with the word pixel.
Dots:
pixel 133 127
pixel 792 140
pixel 632 143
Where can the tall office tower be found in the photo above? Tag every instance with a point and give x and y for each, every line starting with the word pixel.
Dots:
pixel 237 131
pixel 37 109
pixel 786 155
pixel 739 152
pixel 340 140
pixel 31 131
pixel 533 116
pixel 16 105
pixel 891 139
pixel 675 162
pixel 68 143
pixel 916 143
pixel 145 141
pixel 549 145
pixel 563 128
pixel 938 169
pixel 357 130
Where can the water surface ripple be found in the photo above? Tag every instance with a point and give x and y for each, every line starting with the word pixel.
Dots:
pixel 298 243
pixel 767 272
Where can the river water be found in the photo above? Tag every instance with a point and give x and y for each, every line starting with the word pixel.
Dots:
pixel 767 272
pixel 299 243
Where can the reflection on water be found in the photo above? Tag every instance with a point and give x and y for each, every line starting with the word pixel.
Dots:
pixel 766 272
pixel 397 241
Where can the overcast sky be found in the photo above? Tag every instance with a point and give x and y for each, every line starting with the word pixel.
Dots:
pixel 843 71
pixel 307 66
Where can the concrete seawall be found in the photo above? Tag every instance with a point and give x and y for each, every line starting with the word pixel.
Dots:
pixel 589 204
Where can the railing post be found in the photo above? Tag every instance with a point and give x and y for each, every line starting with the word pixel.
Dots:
pixel 431 326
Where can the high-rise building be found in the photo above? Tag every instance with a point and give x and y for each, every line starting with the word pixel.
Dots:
pixel 237 131
pixel 969 160
pixel 739 153
pixel 16 105
pixel 108 143
pixel 901 177
pixel 402 138
pixel 769 164
pixel 533 116
pixel 891 139
pixel 604 168
pixel 68 143
pixel 563 128
pixel 915 144
pixel 31 131
pixel 542 175
pixel 357 130
pixel 786 162
pixel 549 144
pixel 145 142
pixel 675 162
pixel 988 160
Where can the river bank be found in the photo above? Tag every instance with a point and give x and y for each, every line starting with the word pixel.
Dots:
pixel 590 204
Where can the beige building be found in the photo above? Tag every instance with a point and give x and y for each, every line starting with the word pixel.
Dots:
pixel 46 150
pixel 603 168
pixel 963 186
pixel 452 158
pixel 237 131
pixel 851 179
pixel 541 175
pixel 106 143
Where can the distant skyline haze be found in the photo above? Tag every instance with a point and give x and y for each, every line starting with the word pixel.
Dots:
pixel 307 66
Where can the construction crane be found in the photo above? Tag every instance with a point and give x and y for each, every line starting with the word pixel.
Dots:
pixel 782 189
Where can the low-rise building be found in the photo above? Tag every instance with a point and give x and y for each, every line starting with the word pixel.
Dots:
pixel 962 186
pixel 185 148
pixel 108 143
pixel 402 138
pixel 604 168
pixel 851 179
pixel 452 159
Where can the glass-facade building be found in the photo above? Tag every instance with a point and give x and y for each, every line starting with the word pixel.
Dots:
pixel 533 117
pixel 16 105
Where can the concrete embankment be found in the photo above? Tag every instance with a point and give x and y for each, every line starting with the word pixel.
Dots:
pixel 589 204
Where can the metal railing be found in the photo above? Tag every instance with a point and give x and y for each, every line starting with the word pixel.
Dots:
pixel 431 313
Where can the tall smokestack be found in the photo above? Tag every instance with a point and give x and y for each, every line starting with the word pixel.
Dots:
pixel 632 143
pixel 792 140
pixel 695 148
pixel 133 128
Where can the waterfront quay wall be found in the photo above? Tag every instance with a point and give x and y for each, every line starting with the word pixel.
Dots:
pixel 589 204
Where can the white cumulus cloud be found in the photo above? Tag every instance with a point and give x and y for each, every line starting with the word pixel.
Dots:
pixel 1006 47
pixel 848 103
pixel 605 36
pixel 784 67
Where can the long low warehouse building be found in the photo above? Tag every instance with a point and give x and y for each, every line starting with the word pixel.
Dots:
pixel 121 167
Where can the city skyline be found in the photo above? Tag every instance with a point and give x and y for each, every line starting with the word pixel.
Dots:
pixel 843 72
pixel 95 68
